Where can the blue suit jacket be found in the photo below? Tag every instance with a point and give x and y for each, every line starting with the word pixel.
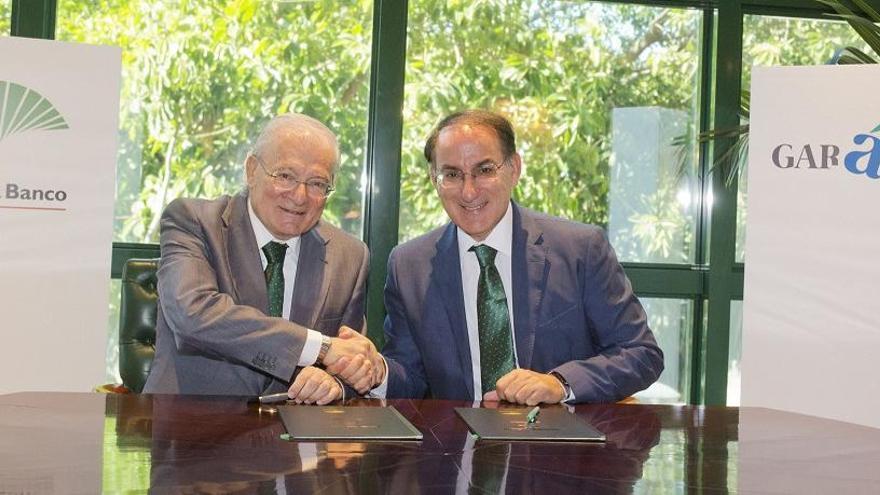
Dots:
pixel 573 307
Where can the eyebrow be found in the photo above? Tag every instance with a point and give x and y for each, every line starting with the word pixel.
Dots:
pixel 478 164
pixel 291 172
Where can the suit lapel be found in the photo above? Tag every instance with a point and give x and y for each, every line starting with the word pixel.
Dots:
pixel 311 287
pixel 530 270
pixel 446 271
pixel 244 255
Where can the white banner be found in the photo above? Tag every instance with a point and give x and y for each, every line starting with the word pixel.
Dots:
pixel 811 323
pixel 59 111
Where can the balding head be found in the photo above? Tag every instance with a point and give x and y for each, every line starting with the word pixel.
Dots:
pixel 297 128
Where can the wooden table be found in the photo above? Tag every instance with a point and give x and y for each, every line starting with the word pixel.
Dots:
pixel 92 443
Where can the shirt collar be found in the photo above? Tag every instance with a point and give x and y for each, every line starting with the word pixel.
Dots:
pixel 499 239
pixel 262 233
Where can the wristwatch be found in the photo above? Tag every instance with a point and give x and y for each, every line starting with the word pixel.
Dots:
pixel 565 386
pixel 325 346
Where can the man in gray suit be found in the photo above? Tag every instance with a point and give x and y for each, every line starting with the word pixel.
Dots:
pixel 254 288
pixel 504 302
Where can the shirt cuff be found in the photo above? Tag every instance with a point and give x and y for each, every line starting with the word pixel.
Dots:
pixel 380 390
pixel 311 348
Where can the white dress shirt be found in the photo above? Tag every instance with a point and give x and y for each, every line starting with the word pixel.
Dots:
pixel 501 240
pixel 291 257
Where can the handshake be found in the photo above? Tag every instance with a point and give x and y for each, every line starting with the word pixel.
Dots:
pixel 353 358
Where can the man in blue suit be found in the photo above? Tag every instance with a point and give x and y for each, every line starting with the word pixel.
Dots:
pixel 577 332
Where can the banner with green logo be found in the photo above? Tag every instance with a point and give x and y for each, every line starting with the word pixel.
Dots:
pixel 59 108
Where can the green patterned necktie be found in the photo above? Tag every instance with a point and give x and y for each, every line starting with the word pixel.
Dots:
pixel 493 321
pixel 274 273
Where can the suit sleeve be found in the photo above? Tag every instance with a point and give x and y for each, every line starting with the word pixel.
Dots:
pixel 406 374
pixel 629 359
pixel 355 311
pixel 207 321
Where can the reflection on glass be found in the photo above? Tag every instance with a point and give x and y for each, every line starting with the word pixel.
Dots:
pixel 573 78
pixel 671 320
pixel 201 78
pixel 111 362
pixel 734 353
pixel 773 41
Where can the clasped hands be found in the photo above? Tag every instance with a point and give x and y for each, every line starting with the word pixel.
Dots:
pixel 531 388
pixel 352 358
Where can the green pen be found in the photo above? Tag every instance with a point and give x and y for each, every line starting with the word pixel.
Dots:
pixel 532 416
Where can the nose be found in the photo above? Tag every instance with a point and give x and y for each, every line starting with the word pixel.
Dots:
pixel 299 194
pixel 469 188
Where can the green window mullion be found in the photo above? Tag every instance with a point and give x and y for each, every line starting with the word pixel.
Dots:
pixel 707 68
pixel 384 133
pixel 721 279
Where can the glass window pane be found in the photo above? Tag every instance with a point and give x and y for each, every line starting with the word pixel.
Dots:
pixel 199 80
pixel 111 368
pixel 775 41
pixel 5 17
pixel 596 92
pixel 734 354
pixel 671 320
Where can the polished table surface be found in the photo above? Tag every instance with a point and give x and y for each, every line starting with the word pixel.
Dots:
pixel 92 443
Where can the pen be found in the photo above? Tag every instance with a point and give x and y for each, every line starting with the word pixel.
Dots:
pixel 269 399
pixel 532 416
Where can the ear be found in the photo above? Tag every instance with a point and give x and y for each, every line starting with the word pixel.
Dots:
pixel 516 167
pixel 250 168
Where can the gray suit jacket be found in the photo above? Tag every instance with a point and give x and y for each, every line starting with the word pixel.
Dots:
pixel 574 313
pixel 213 335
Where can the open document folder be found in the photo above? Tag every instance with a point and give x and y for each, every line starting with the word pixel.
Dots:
pixel 556 424
pixel 346 423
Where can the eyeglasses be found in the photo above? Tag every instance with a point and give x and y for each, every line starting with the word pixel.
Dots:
pixel 484 175
pixel 285 180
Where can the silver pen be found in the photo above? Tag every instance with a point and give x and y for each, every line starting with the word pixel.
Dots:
pixel 272 398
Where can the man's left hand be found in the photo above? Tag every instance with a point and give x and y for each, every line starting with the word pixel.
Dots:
pixel 314 386
pixel 527 387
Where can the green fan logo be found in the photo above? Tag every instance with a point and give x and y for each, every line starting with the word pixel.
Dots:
pixel 23 109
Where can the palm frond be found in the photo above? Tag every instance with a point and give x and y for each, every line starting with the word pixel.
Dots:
pixel 867 9
pixel 859 56
pixel 861 21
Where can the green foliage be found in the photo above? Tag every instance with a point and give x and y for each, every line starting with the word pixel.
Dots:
pixel 5 17
pixel 862 19
pixel 556 69
pixel 201 77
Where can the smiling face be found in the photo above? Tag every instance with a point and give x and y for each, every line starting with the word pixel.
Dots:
pixel 306 154
pixel 475 208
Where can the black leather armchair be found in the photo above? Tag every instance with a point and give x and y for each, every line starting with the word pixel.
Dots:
pixel 137 322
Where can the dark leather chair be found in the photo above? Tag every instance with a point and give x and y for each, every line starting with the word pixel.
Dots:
pixel 137 322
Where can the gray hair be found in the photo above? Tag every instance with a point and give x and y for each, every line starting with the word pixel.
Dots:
pixel 307 129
